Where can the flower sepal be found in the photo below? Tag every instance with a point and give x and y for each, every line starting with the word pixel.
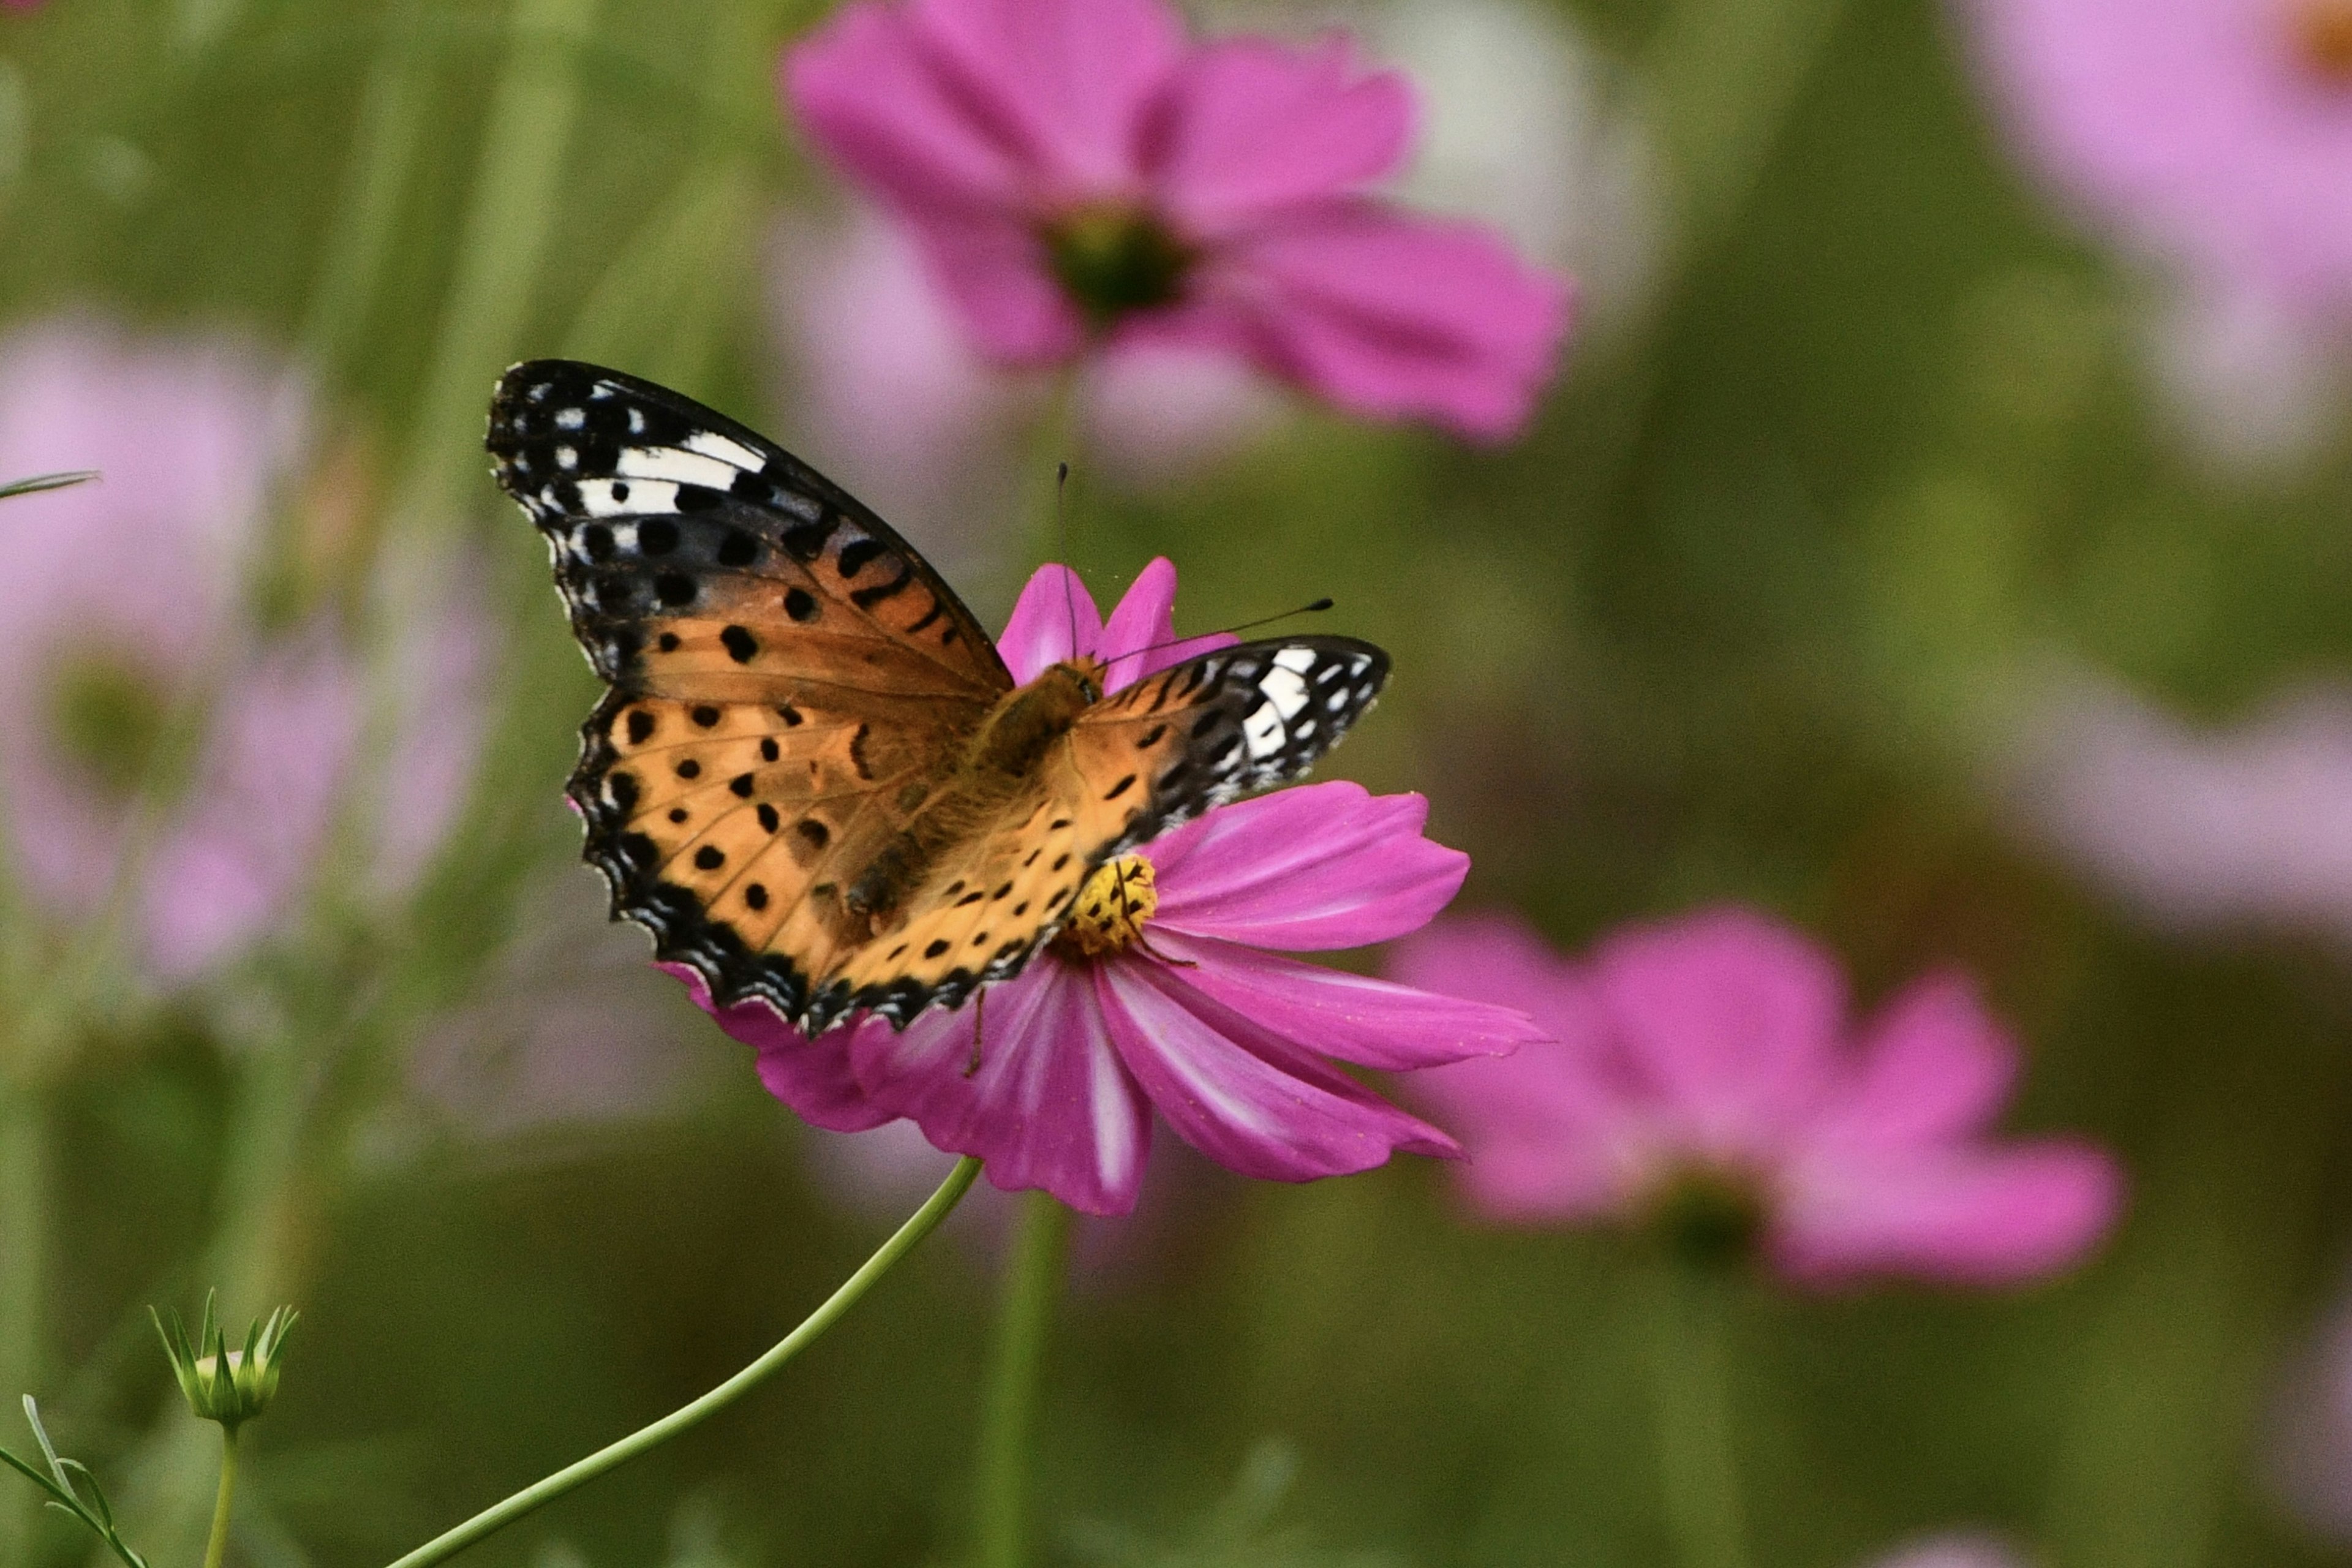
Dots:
pixel 230 1387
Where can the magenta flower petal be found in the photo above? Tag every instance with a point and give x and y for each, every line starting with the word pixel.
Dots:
pixel 1393 316
pixel 1935 1067
pixel 1250 1100
pixel 1977 1217
pixel 1015 313
pixel 865 88
pixel 1350 1017
pixel 1252 127
pixel 1731 1017
pixel 812 1076
pixel 1064 84
pixel 1053 604
pixel 1050 1106
pixel 1320 866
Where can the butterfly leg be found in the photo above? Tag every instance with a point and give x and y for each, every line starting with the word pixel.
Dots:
pixel 979 1022
pixel 1144 943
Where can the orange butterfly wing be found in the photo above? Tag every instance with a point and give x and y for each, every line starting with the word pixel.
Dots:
pixel 791 683
pixel 1138 763
pixel 789 677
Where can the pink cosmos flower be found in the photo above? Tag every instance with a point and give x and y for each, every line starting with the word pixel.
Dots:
pixel 1079 174
pixel 1701 1077
pixel 1232 1046
pixel 914 418
pixel 2214 134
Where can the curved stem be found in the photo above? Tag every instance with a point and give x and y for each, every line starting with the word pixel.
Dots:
pixel 1032 1278
pixel 216 1547
pixel 1695 1464
pixel 539 1494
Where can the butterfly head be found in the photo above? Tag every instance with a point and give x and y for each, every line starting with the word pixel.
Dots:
pixel 1085 675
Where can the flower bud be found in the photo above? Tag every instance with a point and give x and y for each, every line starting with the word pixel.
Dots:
pixel 230 1387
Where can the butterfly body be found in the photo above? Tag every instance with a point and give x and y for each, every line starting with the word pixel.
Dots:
pixel 812 779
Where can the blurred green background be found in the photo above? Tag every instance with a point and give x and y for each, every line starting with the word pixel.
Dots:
pixel 1854 451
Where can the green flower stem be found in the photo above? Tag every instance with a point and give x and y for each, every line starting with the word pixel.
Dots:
pixel 24 1255
pixel 1033 1280
pixel 1695 1463
pixel 216 1545
pixel 612 1456
pixel 508 219
pixel 1052 442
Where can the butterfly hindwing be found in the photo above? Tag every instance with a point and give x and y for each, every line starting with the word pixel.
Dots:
pixel 1140 761
pixel 1219 726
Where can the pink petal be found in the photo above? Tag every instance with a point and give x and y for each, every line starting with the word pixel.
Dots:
pixel 1386 315
pixel 1146 618
pixel 810 1076
pixel 1547 1134
pixel 1731 1019
pixel 1981 1218
pixel 1050 1106
pixel 994 274
pixel 1318 867
pixel 1251 126
pixel 1062 83
pixel 864 88
pixel 1371 1022
pixel 1250 1100
pixel 1052 606
pixel 1935 1067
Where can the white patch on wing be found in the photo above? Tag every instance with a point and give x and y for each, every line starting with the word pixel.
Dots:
pixel 1283 687
pixel 1262 731
pixel 571 418
pixel 1298 660
pixel 645 496
pixel 712 444
pixel 671 464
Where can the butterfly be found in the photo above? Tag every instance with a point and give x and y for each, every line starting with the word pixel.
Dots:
pixel 812 779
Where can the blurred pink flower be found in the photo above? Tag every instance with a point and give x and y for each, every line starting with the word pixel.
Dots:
pixel 1078 174
pixel 1227 1043
pixel 122 617
pixel 1956 1550
pixel 124 628
pixel 2249 825
pixel 2308 1445
pixel 912 416
pixel 1702 1078
pixel 2215 135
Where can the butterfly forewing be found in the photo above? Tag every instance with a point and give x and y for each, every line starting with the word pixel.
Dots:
pixel 656 509
pixel 787 672
pixel 791 684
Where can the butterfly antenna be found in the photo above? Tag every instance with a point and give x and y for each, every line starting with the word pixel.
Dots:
pixel 1061 549
pixel 40 482
pixel 1317 608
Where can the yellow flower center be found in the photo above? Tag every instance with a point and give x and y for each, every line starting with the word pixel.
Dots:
pixel 2323 40
pixel 1113 259
pixel 1112 906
